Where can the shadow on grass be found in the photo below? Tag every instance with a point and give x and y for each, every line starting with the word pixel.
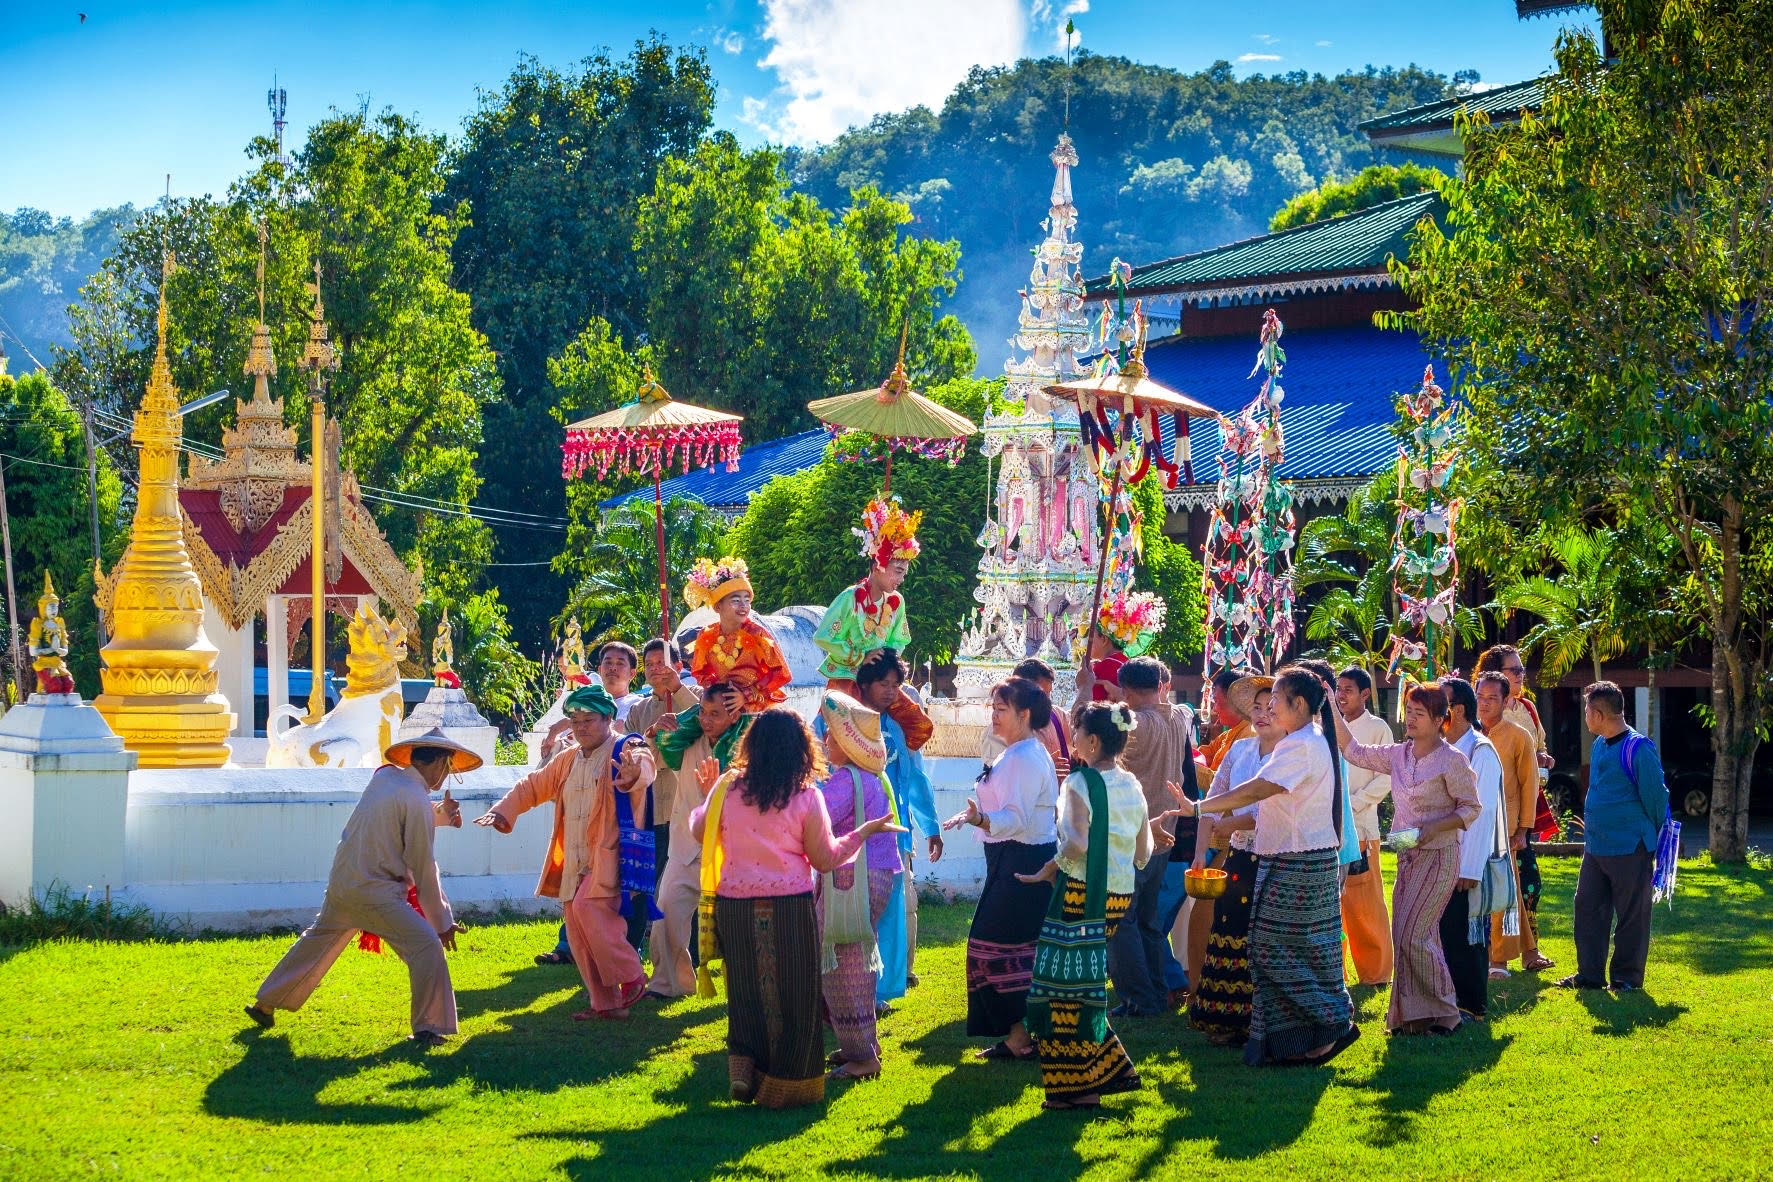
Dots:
pixel 270 1084
pixel 1621 1015
pixel 1417 1068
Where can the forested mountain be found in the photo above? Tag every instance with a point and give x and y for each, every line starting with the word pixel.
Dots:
pixel 1169 162
pixel 43 262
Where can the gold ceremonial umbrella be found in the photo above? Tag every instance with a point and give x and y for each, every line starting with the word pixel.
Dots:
pixel 648 435
pixel 893 411
pixel 1129 392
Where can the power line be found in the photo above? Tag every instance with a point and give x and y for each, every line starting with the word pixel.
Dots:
pixel 42 463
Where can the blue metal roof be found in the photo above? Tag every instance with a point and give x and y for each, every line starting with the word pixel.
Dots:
pixel 721 489
pixel 1341 387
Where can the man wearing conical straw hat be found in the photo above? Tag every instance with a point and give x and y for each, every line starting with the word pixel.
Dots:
pixel 871 614
pixel 387 849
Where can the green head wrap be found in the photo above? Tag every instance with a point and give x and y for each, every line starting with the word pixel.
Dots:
pixel 590 699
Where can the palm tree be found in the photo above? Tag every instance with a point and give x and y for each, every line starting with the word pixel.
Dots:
pixel 1351 554
pixel 1578 610
pixel 618 598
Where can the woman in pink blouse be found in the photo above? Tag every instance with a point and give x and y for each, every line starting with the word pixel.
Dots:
pixel 1435 796
pixel 766 835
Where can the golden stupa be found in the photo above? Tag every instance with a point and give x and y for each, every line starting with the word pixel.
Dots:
pixel 159 668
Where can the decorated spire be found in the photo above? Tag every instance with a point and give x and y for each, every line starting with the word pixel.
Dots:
pixel 260 362
pixel 321 353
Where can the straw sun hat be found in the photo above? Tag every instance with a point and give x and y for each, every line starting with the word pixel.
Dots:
pixel 856 730
pixel 463 760
pixel 1243 692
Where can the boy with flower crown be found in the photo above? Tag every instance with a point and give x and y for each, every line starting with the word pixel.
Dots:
pixel 736 649
pixel 871 614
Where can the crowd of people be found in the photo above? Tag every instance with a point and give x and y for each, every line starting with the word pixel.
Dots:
pixel 1130 869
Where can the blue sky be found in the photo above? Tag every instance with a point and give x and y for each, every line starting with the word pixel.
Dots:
pixel 97 113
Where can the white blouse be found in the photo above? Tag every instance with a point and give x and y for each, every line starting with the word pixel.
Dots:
pixel 1301 819
pixel 1240 765
pixel 1126 820
pixel 1019 795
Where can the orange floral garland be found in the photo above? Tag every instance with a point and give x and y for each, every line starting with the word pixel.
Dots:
pixel 750 660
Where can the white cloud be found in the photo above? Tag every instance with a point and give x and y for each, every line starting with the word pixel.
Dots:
pixel 1264 38
pixel 730 41
pixel 839 63
pixel 1325 44
pixel 1258 57
pixel 1052 15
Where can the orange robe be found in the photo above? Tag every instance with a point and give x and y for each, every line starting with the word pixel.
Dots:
pixel 751 662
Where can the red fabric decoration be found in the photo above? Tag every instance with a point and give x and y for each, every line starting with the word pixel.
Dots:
pixel 370 942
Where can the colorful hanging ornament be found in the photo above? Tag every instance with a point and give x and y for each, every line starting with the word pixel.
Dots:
pixel 1425 560
pixel 1248 572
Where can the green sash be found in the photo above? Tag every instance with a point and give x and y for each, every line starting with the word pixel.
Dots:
pixel 1071 961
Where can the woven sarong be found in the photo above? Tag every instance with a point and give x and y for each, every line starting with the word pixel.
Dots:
pixel 774 1044
pixel 1220 1005
pixel 1300 1002
pixel 1000 945
pixel 1072 1062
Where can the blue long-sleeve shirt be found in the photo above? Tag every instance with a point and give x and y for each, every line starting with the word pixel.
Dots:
pixel 904 769
pixel 1623 814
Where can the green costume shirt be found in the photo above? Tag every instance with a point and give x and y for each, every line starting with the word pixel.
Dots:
pixel 854 626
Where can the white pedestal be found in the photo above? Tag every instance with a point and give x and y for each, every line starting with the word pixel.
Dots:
pixel 452 712
pixel 64 791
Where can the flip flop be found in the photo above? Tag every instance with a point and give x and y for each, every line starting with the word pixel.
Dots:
pixel 1336 1048
pixel 844 1072
pixel 552 958
pixel 1003 1050
pixel 1063 1105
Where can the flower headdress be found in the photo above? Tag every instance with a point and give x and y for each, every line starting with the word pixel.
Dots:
pixel 1121 715
pixel 888 532
pixel 711 581
pixel 1133 620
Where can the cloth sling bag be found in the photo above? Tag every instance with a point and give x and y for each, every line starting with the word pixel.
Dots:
pixel 713 862
pixel 636 852
pixel 1668 837
pixel 1496 891
pixel 847 916
pixel 1071 960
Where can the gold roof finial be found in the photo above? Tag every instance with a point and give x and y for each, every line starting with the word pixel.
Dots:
pixel 650 388
pixel 160 398
pixel 321 353
pixel 261 363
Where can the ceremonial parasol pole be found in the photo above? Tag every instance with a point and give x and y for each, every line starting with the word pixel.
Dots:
pixel 897 415
pixel 320 355
pixel 1139 400
pixel 646 436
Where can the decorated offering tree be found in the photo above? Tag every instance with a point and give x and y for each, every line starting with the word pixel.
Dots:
pixel 1249 554
pixel 1424 562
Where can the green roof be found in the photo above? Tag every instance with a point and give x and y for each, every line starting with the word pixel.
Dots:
pixel 1354 244
pixel 1428 127
pixel 1528 8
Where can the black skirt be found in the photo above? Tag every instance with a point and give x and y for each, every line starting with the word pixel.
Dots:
pixel 1006 928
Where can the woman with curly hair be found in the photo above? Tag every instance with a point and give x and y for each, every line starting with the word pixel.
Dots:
pixel 1105 834
pixel 765 836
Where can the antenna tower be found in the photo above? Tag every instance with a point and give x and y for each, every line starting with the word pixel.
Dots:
pixel 277 101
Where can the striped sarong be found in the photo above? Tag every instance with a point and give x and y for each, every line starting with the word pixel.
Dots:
pixel 775 1047
pixel 1071 1063
pixel 1300 1002
pixel 1000 945
pixel 1220 1005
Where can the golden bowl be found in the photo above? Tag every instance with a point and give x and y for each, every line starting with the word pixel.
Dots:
pixel 1207 883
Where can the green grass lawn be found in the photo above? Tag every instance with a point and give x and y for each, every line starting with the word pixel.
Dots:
pixel 134 1060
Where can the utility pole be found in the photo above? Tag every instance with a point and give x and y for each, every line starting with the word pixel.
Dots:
pixel 98 560
pixel 11 592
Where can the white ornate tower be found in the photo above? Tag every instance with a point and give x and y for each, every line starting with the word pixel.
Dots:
pixel 1036 574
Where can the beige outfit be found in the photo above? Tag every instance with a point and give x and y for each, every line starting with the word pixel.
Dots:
pixel 388 845
pixel 680 890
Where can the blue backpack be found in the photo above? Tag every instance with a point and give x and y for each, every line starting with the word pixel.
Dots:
pixel 1668 839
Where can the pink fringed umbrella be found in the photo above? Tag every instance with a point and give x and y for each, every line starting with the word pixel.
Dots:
pixel 648 436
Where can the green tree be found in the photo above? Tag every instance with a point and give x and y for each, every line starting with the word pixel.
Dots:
pixel 46 498
pixel 1600 293
pixel 495 674
pixel 616 596
pixel 1374 184
pixel 758 301
pixel 1170 571
pixel 552 167
pixel 1579 608
pixel 364 197
pixel 795 534
pixel 1348 556
pixel 43 262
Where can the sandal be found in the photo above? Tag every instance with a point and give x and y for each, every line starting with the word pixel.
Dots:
pixel 265 1019
pixel 600 1015
pixel 552 958
pixel 1538 964
pixel 1082 1102
pixel 846 1071
pixel 1003 1050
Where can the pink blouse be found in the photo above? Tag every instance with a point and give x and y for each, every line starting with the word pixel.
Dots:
pixel 1440 784
pixel 777 852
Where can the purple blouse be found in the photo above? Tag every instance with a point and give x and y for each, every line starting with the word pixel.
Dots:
pixel 840 801
pixel 1440 784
